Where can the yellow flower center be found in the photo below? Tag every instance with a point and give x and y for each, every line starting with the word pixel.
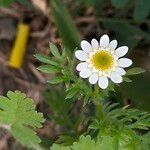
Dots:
pixel 102 60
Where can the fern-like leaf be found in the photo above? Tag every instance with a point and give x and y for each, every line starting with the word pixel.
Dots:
pixel 133 118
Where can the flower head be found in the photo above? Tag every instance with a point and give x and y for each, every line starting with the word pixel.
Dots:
pixel 102 61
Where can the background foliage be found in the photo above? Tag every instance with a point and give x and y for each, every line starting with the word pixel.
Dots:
pixel 80 121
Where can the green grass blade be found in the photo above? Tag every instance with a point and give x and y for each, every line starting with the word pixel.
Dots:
pixel 65 25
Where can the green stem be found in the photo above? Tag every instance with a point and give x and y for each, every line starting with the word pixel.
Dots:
pixel 100 114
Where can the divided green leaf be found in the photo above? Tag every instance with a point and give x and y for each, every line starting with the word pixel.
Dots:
pixel 17 112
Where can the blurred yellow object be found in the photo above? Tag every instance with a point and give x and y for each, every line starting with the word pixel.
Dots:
pixel 19 48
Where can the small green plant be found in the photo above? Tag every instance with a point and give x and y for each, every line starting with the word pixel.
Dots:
pixel 83 109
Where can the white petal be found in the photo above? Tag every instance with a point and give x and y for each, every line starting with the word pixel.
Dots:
pixel 113 44
pixel 120 71
pixel 93 78
pixel 124 62
pixel 85 73
pixel 81 66
pixel 121 51
pixel 94 43
pixel 86 46
pixel 116 78
pixel 104 41
pixel 81 55
pixel 103 82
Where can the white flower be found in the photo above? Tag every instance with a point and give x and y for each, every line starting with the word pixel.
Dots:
pixel 102 61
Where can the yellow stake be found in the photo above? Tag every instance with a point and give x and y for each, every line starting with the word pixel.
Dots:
pixel 19 48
